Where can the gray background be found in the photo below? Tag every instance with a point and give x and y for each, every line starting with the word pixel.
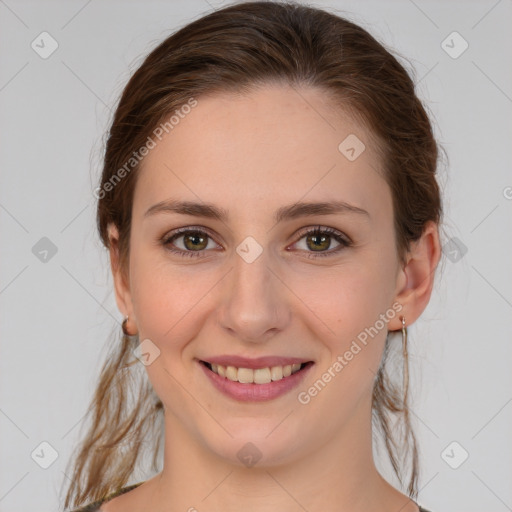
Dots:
pixel 58 311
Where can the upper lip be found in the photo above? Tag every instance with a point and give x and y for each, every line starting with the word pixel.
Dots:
pixel 258 362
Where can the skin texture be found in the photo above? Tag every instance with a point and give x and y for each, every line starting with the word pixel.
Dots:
pixel 251 155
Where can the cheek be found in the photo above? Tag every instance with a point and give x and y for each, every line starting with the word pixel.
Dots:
pixel 170 305
pixel 348 318
pixel 165 295
pixel 349 307
pixel 346 298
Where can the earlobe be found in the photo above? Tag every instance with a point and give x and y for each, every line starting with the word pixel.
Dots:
pixel 417 276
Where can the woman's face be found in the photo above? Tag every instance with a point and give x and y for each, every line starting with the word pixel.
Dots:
pixel 257 283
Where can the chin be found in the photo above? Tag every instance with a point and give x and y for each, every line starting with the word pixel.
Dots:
pixel 253 446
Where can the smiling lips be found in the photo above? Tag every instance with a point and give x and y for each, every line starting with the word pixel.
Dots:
pixel 261 370
pixel 254 380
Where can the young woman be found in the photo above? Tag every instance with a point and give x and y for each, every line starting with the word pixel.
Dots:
pixel 271 210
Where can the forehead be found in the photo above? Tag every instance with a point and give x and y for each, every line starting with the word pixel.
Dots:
pixel 277 142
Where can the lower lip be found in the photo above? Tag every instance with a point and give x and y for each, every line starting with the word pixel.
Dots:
pixel 255 392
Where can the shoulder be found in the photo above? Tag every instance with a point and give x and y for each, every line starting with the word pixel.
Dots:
pixel 95 506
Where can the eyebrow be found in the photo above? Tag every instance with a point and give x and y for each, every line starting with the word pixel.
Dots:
pixel 290 212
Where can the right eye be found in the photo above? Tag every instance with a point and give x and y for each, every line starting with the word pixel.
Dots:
pixel 192 242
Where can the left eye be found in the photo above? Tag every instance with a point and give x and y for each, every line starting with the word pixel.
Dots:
pixel 319 240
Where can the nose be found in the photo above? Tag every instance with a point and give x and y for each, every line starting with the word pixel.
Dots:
pixel 255 305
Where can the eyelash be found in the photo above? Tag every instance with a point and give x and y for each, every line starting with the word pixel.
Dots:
pixel 342 239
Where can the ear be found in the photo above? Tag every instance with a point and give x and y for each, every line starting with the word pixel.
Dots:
pixel 416 278
pixel 120 275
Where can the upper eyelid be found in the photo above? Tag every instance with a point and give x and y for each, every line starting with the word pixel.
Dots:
pixel 183 231
pixel 331 231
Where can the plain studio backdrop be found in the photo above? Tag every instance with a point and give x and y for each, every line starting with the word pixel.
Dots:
pixel 63 67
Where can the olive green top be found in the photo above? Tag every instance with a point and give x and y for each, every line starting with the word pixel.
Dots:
pixel 94 507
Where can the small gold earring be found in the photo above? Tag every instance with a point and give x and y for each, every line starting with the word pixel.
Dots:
pixel 124 326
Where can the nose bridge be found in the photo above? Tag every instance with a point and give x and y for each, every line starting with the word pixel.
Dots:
pixel 255 303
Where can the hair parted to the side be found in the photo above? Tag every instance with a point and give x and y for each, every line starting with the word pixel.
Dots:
pixel 234 49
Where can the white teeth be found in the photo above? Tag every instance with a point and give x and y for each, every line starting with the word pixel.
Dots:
pixel 257 376
pixel 245 375
pixel 232 373
pixel 276 372
pixel 261 376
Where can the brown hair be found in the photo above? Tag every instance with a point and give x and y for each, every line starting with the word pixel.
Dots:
pixel 234 49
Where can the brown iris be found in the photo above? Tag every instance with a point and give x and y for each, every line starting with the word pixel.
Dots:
pixel 195 241
pixel 320 242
